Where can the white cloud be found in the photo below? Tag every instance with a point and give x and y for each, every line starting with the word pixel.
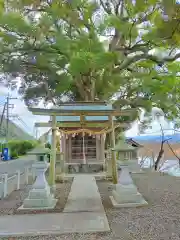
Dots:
pixel 133 131
pixel 3 91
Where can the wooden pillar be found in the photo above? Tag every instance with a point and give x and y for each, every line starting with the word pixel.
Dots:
pixel 53 153
pixel 102 145
pixel 70 148
pixel 114 165
pixel 63 153
pixel 64 148
pixel 101 148
pixel 82 122
pixel 97 149
pixel 67 148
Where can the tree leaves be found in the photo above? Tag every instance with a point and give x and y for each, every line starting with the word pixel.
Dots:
pixel 60 45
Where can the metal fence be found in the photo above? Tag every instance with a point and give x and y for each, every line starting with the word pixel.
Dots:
pixel 8 183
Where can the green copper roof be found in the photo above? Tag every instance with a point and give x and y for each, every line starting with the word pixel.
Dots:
pixel 84 107
pixel 122 146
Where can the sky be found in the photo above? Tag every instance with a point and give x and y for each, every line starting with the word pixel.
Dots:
pixel 29 119
pixel 21 110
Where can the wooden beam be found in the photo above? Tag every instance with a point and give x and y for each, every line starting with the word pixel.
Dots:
pixel 114 165
pixel 43 124
pixel 83 103
pixel 78 124
pixel 53 155
pixel 65 112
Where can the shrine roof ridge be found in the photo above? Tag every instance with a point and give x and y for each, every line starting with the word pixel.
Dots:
pixel 84 107
pixel 82 110
pixel 77 118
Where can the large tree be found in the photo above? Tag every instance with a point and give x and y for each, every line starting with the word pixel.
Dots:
pixel 90 50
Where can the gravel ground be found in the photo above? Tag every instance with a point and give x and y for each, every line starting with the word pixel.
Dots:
pixel 13 201
pixel 10 205
pixel 159 220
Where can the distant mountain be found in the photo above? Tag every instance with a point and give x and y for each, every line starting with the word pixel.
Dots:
pixel 173 138
pixel 15 132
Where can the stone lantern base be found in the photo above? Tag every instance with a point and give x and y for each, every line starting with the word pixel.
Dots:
pixel 127 196
pixel 39 199
pixel 125 193
pixel 40 196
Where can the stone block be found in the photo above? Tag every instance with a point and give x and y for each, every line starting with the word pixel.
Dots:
pixel 125 193
pixel 127 205
pixel 48 203
pixel 40 196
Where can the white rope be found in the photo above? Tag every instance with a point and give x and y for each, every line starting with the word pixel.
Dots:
pixel 84 156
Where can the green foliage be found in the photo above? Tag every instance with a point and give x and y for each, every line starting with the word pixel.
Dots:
pixel 48 145
pixel 18 148
pixel 14 154
pixel 58 50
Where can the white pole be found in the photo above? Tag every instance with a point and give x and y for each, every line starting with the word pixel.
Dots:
pixel 27 175
pixel 5 178
pixel 18 179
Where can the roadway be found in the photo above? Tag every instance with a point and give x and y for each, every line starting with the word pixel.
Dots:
pixel 11 166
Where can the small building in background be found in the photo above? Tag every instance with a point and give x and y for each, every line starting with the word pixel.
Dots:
pixel 151 145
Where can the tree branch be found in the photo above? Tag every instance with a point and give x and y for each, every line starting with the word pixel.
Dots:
pixel 105 8
pixel 173 151
pixel 49 93
pixel 118 5
pixel 146 56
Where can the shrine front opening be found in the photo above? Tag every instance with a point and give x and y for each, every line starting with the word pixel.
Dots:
pixel 83 150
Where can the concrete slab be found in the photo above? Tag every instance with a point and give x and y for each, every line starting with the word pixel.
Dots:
pixel 59 223
pixel 98 176
pixel 84 195
pixel 127 205
pixel 83 213
pixel 39 208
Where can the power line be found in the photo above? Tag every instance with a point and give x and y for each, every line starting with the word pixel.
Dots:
pixel 2 103
pixel 21 121
pixel 6 108
pixel 7 115
pixel 2 115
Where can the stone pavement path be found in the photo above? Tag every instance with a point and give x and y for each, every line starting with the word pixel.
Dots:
pixel 84 195
pixel 83 213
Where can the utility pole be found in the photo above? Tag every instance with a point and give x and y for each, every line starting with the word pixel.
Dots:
pixel 2 115
pixel 7 119
pixel 8 106
pixel 36 133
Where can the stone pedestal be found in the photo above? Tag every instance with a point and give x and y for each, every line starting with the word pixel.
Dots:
pixel 134 167
pixel 125 193
pixel 40 196
pixel 109 165
pixel 60 168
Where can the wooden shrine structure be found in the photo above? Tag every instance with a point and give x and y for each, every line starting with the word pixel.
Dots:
pixel 82 129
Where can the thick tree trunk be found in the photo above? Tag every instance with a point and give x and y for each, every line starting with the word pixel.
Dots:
pixel 86 88
pixel 158 160
pixel 161 151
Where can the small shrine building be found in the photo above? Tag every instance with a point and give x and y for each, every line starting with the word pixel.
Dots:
pixel 79 130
